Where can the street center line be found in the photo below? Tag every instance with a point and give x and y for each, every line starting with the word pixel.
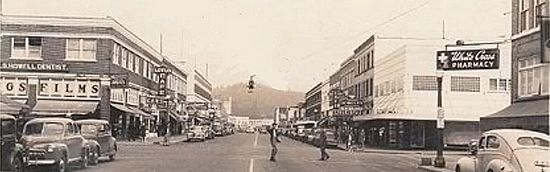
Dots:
pixel 256 140
pixel 251 167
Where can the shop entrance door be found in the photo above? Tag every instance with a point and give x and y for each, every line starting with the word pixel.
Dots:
pixel 417 134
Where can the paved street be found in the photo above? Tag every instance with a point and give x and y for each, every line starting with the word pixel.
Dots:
pixel 248 152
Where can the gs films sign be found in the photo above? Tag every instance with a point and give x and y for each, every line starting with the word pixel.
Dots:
pixel 79 88
pixel 14 86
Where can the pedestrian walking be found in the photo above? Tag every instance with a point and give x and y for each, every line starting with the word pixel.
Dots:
pixel 274 139
pixel 350 140
pixel 362 138
pixel 323 145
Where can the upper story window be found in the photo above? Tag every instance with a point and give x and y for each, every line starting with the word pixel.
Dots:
pixel 424 83
pixel 540 10
pixel 26 47
pixel 533 77
pixel 465 84
pixel 499 84
pixel 124 58
pixel 81 49
pixel 528 12
pixel 116 54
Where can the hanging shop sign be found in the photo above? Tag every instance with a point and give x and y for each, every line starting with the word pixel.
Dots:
pixel 34 67
pixel 119 81
pixel 471 59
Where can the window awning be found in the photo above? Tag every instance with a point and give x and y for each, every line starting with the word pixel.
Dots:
pixel 124 109
pixel 523 109
pixel 64 107
pixel 9 109
pixel 140 112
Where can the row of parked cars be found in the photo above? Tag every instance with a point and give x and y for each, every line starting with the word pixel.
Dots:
pixel 55 143
pixel 204 132
pixel 311 135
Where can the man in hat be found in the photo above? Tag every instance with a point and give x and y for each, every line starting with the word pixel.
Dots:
pixel 274 139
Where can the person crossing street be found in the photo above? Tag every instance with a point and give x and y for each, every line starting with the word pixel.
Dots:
pixel 323 145
pixel 274 139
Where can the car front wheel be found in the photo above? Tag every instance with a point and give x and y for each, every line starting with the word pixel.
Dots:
pixel 61 166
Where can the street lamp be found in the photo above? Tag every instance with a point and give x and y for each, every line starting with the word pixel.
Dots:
pixel 439 159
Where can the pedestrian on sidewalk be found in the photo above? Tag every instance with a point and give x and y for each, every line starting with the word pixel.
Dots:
pixel 350 140
pixel 323 145
pixel 274 139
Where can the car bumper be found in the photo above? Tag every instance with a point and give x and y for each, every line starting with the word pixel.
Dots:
pixel 41 162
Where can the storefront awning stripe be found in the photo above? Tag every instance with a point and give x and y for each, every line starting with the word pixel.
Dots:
pixel 523 109
pixel 140 112
pixel 64 107
pixel 5 108
pixel 123 108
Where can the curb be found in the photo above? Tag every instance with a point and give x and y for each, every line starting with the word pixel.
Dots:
pixel 434 169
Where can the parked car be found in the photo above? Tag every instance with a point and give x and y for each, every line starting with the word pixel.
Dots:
pixel 12 152
pixel 263 130
pixel 250 130
pixel 100 131
pixel 508 150
pixel 196 132
pixel 55 142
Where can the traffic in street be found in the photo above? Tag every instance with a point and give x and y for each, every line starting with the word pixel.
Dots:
pixel 247 153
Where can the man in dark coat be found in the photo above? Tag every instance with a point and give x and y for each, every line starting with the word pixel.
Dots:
pixel 323 145
pixel 274 139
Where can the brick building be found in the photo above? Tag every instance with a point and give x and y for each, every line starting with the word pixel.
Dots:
pixel 83 67
pixel 530 70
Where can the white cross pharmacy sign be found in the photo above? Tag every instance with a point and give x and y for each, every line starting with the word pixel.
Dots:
pixel 470 59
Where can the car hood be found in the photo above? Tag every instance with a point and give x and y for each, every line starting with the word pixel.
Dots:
pixel 528 156
pixel 30 141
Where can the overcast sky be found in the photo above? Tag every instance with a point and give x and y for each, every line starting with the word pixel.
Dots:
pixel 288 44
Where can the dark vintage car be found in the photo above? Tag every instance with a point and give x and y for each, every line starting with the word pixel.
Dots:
pixel 55 142
pixel 100 131
pixel 12 152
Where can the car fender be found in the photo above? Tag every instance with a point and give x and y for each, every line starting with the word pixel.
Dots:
pixel 467 164
pixel 60 148
pixel 499 165
pixel 91 144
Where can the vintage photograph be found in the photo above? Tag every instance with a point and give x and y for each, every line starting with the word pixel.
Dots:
pixel 275 85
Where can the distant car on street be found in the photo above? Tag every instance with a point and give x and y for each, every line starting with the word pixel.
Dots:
pixel 250 130
pixel 196 132
pixel 263 130
pixel 12 152
pixel 508 150
pixel 56 143
pixel 100 131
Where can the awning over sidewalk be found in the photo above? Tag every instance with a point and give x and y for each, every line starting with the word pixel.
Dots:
pixel 523 109
pixel 56 107
pixel 124 109
pixel 140 112
pixel 425 117
pixel 5 108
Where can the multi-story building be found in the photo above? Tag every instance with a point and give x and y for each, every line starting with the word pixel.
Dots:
pixel 313 103
pixel 325 99
pixel 530 70
pixel 405 98
pixel 83 68
pixel 199 88
pixel 363 79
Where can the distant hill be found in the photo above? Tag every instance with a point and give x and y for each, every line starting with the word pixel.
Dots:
pixel 258 104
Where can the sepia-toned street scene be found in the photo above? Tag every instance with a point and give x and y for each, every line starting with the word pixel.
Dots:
pixel 275 86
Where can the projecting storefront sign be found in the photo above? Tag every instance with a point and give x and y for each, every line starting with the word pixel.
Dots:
pixel 468 59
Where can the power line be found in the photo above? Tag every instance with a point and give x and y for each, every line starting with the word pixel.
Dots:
pixel 370 29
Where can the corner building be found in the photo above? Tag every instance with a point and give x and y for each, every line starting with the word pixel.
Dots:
pixel 82 67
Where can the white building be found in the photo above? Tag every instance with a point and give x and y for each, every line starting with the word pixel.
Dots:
pixel 405 97
pixel 325 99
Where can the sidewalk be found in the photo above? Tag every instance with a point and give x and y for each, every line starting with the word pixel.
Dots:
pixel 394 151
pixel 154 140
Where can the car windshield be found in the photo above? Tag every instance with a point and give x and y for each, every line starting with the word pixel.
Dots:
pixel 46 129
pixel 8 127
pixel 88 129
pixel 533 141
